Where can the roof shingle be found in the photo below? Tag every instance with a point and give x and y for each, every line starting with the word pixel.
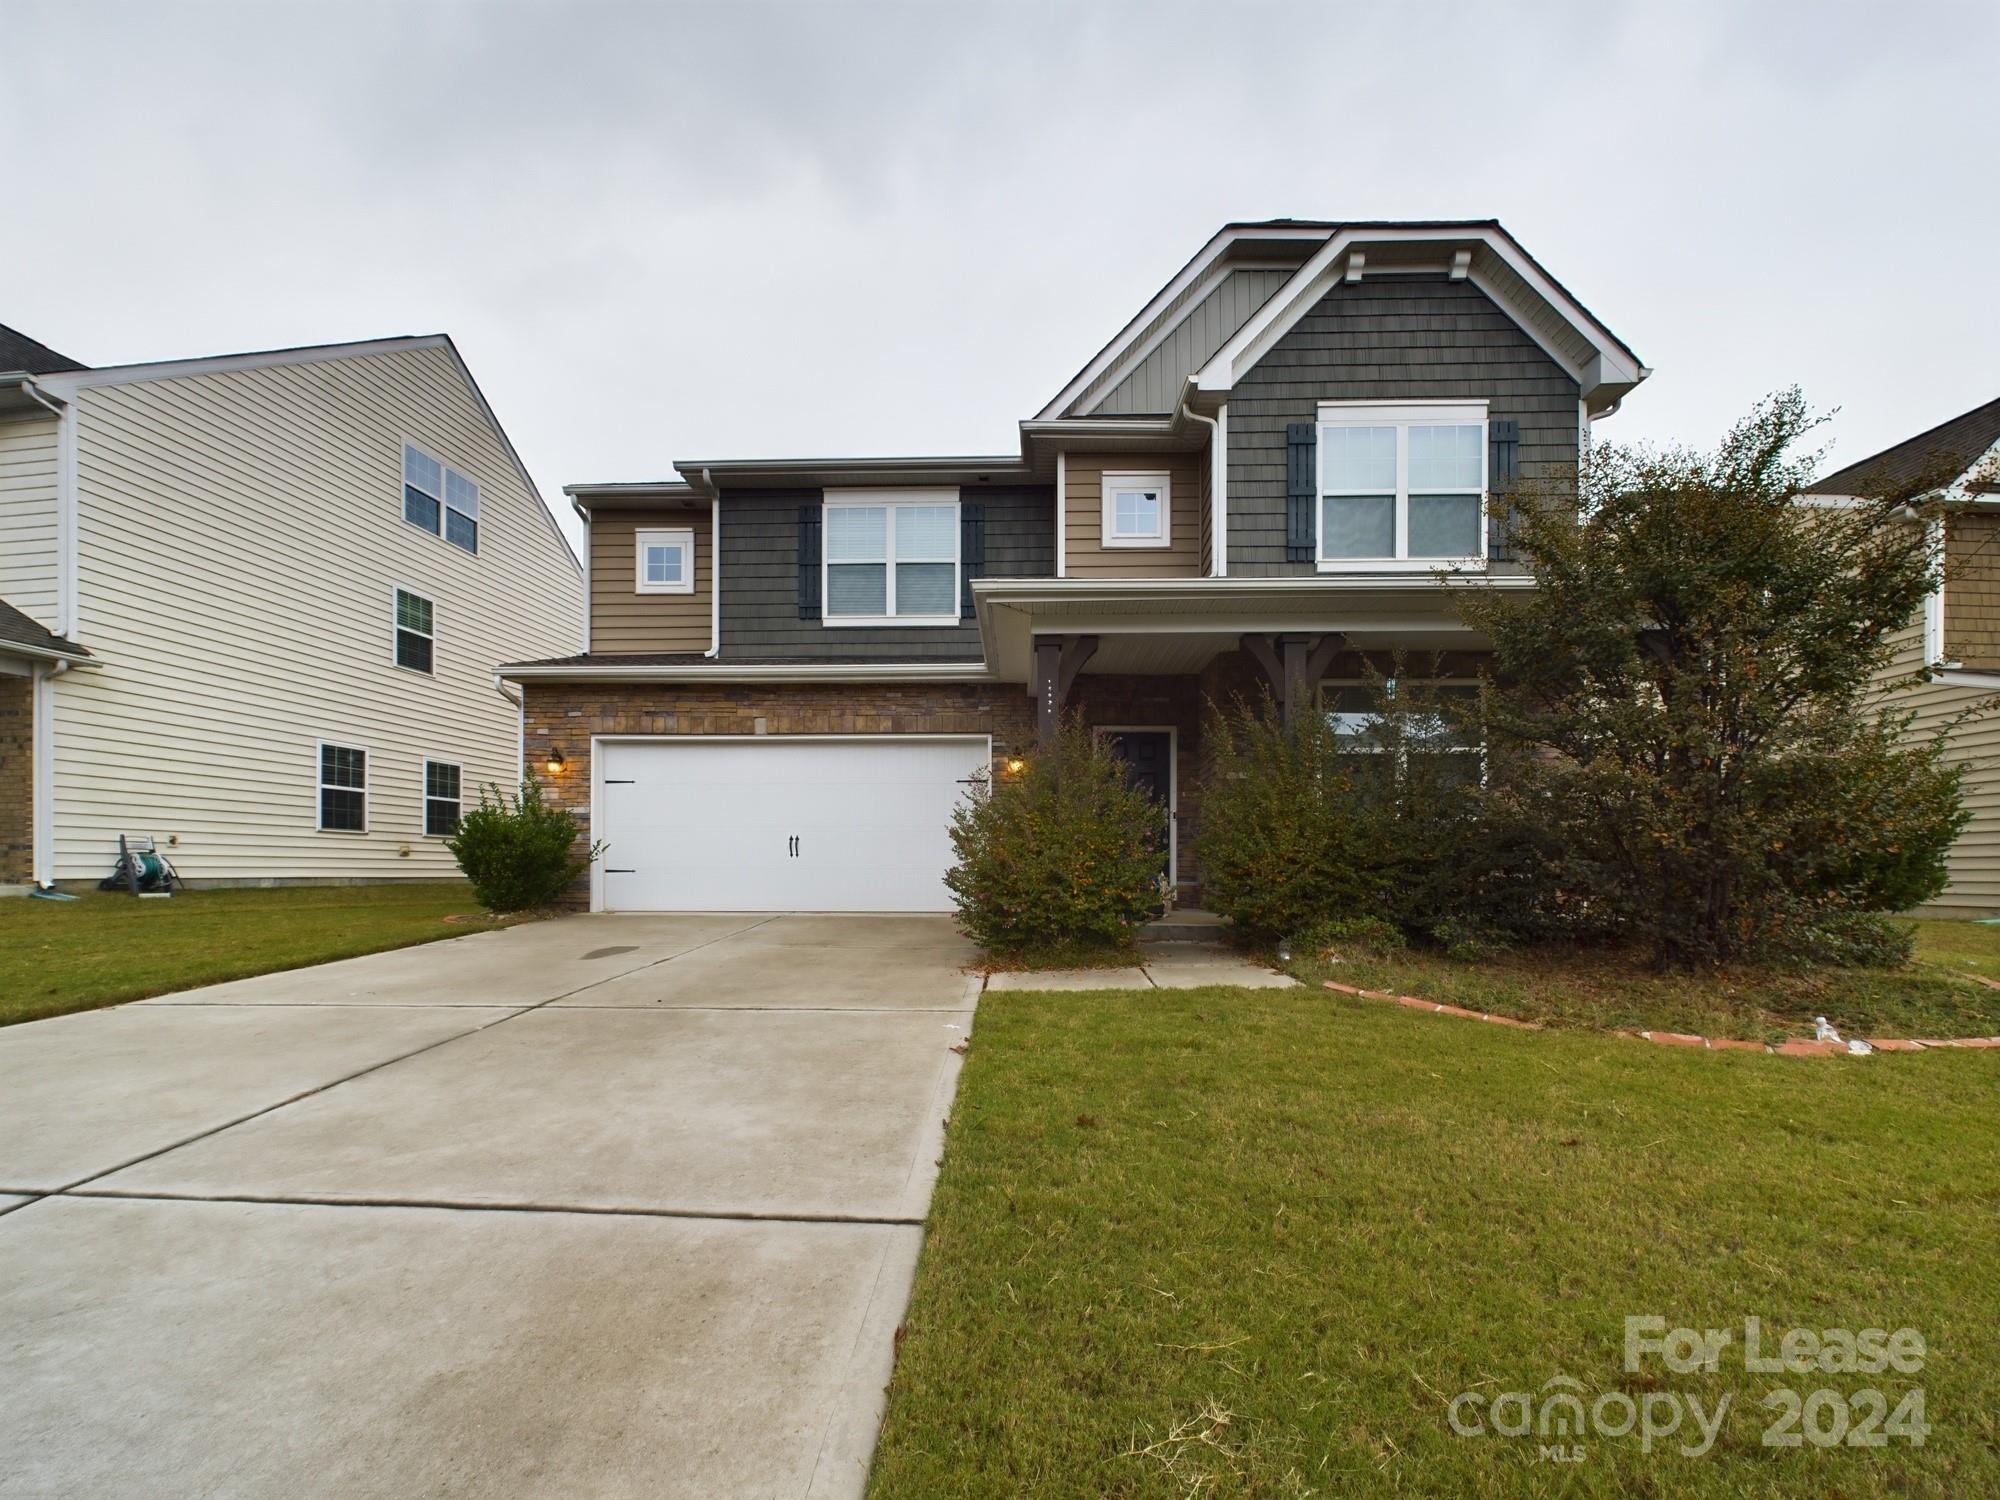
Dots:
pixel 1955 446
pixel 17 629
pixel 19 352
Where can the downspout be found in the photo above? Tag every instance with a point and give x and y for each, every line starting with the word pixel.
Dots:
pixel 1218 498
pixel 714 568
pixel 43 754
pixel 520 702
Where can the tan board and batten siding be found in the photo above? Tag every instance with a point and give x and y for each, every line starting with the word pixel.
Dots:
pixel 240 543
pixel 1974 861
pixel 622 618
pixel 1086 556
pixel 28 517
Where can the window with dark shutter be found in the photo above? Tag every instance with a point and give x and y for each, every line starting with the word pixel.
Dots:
pixel 1301 490
pixel 971 552
pixel 809 600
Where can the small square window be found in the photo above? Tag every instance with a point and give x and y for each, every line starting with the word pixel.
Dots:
pixel 1137 510
pixel 441 801
pixel 665 561
pixel 343 789
pixel 414 635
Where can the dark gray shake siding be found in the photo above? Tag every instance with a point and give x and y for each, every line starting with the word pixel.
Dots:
pixel 1387 339
pixel 759 549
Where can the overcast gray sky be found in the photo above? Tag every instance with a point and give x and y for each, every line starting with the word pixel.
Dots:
pixel 674 231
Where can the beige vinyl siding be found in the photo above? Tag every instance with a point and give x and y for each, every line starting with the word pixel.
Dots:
pixel 241 539
pixel 622 618
pixel 1083 506
pixel 1972 591
pixel 1974 861
pixel 28 566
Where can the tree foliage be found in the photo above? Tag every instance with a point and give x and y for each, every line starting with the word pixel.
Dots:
pixel 1059 858
pixel 1689 678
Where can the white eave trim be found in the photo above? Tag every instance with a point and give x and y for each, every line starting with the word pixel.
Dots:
pixel 754 672
pixel 47 653
pixel 1318 275
pixel 68 381
pixel 1204 261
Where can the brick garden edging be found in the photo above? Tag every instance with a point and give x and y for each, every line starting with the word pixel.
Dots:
pixel 1796 1048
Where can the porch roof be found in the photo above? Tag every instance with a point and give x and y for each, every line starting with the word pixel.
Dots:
pixel 1163 626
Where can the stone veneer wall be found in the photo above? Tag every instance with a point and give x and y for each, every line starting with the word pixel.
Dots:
pixel 17 780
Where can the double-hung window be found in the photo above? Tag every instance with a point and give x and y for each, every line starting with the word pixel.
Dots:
pixel 440 499
pixel 440 798
pixel 1402 486
pixel 891 558
pixel 343 789
pixel 665 561
pixel 415 637
pixel 1136 510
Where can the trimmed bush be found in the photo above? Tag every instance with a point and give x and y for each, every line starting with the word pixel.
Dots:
pixel 1285 844
pixel 518 851
pixel 1061 859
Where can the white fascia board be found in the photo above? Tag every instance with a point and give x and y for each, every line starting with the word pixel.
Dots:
pixel 1317 276
pixel 1019 591
pixel 757 672
pixel 66 382
pixel 1960 677
pixel 1204 260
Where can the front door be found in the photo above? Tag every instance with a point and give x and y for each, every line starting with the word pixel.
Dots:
pixel 1148 757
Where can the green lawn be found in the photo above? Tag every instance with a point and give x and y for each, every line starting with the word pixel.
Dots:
pixel 1590 988
pixel 1234 1243
pixel 59 956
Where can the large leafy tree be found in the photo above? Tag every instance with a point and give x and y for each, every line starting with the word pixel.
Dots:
pixel 1692 674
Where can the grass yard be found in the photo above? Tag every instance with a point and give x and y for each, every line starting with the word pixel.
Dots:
pixel 61 956
pixel 1934 997
pixel 1233 1243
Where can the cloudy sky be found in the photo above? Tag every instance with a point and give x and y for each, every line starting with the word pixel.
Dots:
pixel 672 231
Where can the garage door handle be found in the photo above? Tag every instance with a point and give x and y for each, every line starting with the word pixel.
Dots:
pixel 610 871
pixel 792 846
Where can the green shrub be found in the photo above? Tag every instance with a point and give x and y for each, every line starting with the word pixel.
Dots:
pixel 518 851
pixel 1370 936
pixel 1061 858
pixel 1285 844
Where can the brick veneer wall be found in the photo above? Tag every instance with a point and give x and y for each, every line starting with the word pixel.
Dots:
pixel 17 780
pixel 564 716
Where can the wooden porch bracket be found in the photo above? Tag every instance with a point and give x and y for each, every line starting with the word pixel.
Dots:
pixel 1293 665
pixel 1057 661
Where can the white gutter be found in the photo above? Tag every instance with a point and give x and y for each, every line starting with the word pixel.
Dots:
pixel 66 659
pixel 756 672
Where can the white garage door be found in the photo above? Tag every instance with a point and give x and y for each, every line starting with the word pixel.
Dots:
pixel 776 824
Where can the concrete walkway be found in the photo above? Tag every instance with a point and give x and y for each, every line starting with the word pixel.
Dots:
pixel 1163 966
pixel 606 1206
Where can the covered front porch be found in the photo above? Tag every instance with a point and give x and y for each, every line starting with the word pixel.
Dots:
pixel 1138 660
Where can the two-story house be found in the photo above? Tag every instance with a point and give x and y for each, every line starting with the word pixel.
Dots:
pixel 252 608
pixel 795 667
pixel 1957 643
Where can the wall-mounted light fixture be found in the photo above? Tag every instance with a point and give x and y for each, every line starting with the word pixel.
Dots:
pixel 1016 765
pixel 556 762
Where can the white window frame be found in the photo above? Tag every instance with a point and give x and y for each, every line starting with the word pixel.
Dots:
pixel 397 627
pixel 444 505
pixel 663 536
pixel 1402 754
pixel 893 501
pixel 1137 480
pixel 424 794
pixel 321 785
pixel 1401 415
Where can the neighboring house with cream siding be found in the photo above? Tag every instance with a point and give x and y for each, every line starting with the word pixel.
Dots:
pixel 1958 642
pixel 283 580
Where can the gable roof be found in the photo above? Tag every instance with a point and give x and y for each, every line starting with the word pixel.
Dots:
pixel 31 356
pixel 1955 445
pixel 1322 254
pixel 21 635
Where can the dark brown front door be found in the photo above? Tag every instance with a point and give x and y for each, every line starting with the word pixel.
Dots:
pixel 1148 757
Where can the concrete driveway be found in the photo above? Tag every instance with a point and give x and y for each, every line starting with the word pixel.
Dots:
pixel 603 1206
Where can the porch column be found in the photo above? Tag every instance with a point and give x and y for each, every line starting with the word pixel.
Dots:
pixel 1057 661
pixel 1294 664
